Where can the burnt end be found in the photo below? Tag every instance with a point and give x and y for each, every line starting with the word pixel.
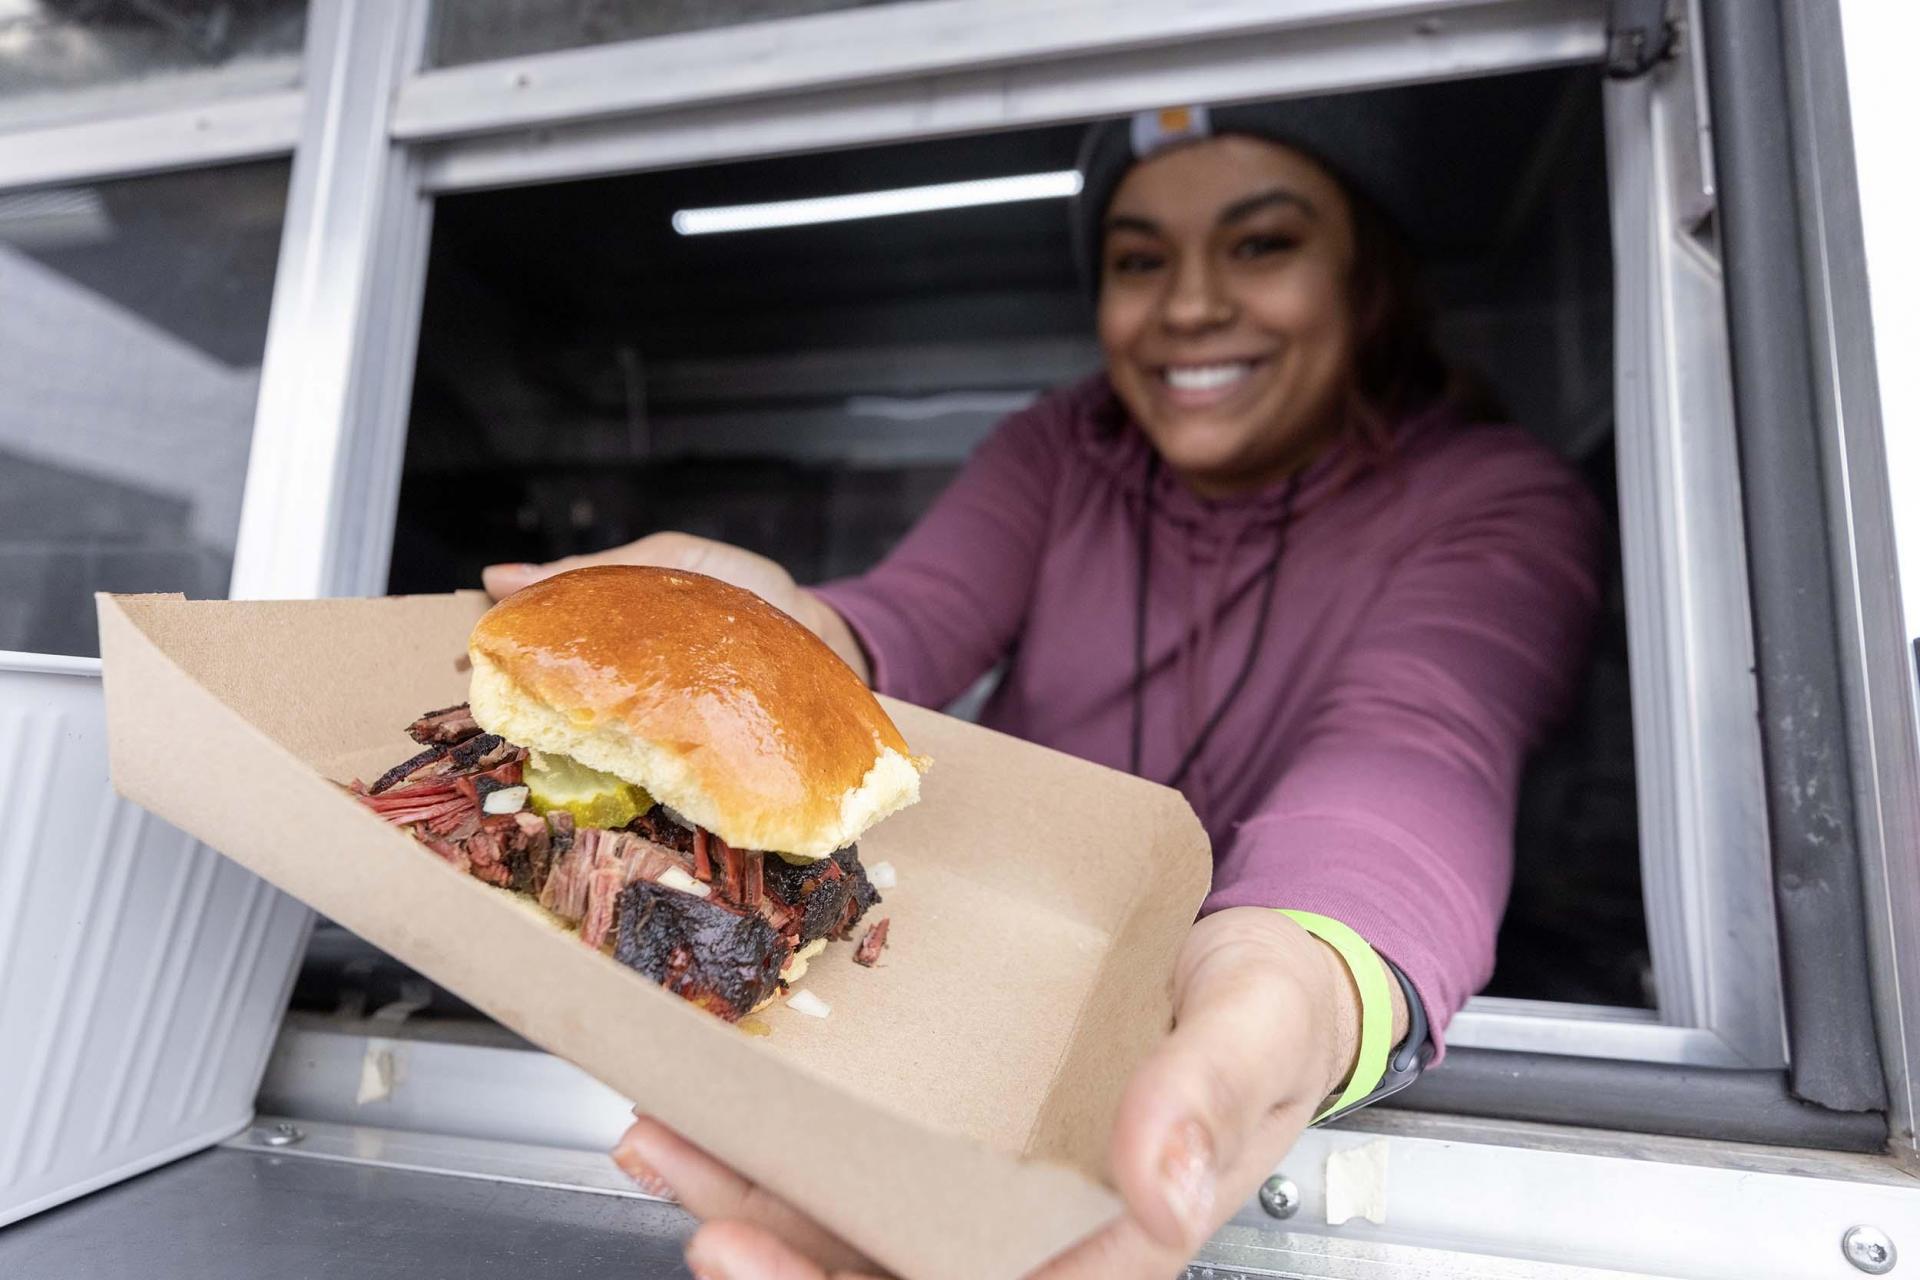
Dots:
pixel 860 893
pixel 656 826
pixel 817 892
pixel 699 950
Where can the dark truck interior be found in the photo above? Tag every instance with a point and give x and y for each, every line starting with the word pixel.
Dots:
pixel 586 375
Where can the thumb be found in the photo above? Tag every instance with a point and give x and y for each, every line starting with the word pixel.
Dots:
pixel 1224 1096
pixel 505 579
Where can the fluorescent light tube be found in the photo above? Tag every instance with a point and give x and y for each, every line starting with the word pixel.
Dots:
pixel 878 204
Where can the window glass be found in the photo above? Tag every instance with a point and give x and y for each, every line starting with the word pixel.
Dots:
pixel 133 315
pixel 477 30
pixel 62 60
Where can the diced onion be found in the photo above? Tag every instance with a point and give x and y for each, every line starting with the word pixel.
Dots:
pixel 808 1003
pixel 505 800
pixel 881 875
pixel 675 878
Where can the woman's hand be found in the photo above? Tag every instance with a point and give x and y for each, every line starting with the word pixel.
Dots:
pixel 743 568
pixel 1266 1027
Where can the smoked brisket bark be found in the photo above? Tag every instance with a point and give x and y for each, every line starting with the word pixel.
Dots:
pixel 723 960
pixel 828 896
pixel 447 725
pixel 818 892
pixel 860 896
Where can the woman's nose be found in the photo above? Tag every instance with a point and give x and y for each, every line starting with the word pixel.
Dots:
pixel 1195 300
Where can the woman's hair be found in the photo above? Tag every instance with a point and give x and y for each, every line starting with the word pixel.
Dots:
pixel 1397 368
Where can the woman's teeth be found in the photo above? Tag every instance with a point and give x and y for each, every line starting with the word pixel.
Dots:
pixel 1206 377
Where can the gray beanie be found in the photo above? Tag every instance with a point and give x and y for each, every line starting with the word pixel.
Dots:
pixel 1359 146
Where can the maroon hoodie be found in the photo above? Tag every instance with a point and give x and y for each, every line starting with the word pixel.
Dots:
pixel 1430 617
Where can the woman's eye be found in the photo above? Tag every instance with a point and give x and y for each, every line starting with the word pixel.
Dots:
pixel 1136 263
pixel 1259 246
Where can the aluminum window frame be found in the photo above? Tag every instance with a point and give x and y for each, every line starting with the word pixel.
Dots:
pixel 323 479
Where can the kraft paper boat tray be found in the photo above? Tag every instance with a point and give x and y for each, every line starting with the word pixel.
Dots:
pixel 950 1117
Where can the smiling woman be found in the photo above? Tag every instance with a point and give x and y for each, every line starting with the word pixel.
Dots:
pixel 1269 558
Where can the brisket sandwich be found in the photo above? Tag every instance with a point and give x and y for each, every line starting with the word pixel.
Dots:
pixel 670 767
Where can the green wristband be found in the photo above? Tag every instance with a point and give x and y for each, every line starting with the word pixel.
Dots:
pixel 1376 1003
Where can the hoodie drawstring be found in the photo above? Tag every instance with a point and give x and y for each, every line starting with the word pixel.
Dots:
pixel 1197 637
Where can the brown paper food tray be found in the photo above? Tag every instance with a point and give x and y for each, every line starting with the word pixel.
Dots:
pixel 951 1116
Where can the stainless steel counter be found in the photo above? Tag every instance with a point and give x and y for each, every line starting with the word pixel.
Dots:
pixel 235 1214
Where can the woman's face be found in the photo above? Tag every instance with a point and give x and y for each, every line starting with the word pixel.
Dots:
pixel 1224 310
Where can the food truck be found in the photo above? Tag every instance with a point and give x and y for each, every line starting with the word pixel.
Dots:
pixel 348 298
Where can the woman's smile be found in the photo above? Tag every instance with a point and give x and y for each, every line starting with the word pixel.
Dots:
pixel 1194 385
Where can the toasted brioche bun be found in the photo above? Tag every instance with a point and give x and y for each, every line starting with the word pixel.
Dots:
pixel 720 705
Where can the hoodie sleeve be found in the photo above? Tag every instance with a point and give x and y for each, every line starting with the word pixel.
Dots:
pixel 947 602
pixel 1396 815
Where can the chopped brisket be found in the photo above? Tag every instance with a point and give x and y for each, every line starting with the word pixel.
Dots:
pixel 622 858
pixel 605 880
pixel 447 725
pixel 816 891
pixel 703 951
pixel 405 770
pixel 475 755
pixel 529 853
pixel 862 894
pixel 868 952
pixel 736 874
pixel 723 952
pixel 565 892
pixel 482 753
pixel 487 854
pixel 821 899
pixel 656 826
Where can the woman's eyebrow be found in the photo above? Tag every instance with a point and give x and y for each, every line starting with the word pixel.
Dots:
pixel 1265 200
pixel 1133 222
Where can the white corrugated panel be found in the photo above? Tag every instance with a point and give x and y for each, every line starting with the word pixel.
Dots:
pixel 142 975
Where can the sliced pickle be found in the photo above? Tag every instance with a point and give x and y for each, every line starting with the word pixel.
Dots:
pixel 595 799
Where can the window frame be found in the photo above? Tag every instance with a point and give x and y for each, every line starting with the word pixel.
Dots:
pixel 839 82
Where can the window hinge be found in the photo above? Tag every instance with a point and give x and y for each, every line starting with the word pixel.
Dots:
pixel 1640 36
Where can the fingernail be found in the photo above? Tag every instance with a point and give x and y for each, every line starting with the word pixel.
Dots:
pixel 705 1268
pixel 644 1175
pixel 1186 1169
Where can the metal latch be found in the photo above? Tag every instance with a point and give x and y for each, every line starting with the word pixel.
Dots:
pixel 1640 36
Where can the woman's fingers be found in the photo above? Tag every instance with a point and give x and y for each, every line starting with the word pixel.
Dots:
pixel 1228 1091
pixel 743 1251
pixel 669 550
pixel 660 1161
pixel 502 580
